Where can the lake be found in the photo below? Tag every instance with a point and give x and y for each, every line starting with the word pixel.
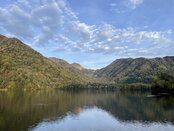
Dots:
pixel 85 110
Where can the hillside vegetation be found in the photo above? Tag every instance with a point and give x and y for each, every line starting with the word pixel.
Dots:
pixel 139 70
pixel 23 67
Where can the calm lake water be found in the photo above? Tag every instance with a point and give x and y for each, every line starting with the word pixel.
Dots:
pixel 57 110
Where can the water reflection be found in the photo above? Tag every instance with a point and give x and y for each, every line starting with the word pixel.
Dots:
pixel 95 119
pixel 90 110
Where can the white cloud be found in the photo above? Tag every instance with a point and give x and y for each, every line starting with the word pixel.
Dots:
pixel 40 20
pixel 53 24
pixel 134 3
pixel 79 30
pixel 107 39
pixel 113 4
pixel 15 21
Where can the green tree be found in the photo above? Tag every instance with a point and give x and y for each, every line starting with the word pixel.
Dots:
pixel 11 85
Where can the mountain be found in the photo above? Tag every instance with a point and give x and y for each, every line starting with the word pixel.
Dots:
pixel 139 70
pixel 88 72
pixel 72 67
pixel 23 67
pixel 59 61
pixel 77 66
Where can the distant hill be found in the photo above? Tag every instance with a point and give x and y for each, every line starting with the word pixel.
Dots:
pixel 88 72
pixel 23 67
pixel 75 66
pixel 59 61
pixel 139 70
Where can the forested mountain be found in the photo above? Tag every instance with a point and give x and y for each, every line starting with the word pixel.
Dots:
pixel 23 67
pixel 139 70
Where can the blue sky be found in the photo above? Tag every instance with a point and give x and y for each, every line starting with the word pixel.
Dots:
pixel 91 32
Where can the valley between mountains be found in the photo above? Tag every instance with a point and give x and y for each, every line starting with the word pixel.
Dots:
pixel 23 67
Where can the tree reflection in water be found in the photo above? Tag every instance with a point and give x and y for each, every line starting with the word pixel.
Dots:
pixel 27 110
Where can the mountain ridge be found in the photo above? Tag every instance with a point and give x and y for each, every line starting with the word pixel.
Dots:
pixel 129 70
pixel 21 66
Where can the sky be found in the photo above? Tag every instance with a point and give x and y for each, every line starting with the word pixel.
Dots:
pixel 91 32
